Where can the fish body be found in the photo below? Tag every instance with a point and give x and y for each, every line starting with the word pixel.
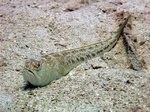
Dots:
pixel 55 65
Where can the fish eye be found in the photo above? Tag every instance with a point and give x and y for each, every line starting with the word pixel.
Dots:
pixel 36 65
pixel 33 64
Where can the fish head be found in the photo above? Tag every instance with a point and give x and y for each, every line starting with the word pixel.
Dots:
pixel 40 73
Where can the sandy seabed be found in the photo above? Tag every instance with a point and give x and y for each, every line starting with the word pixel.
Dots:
pixel 32 28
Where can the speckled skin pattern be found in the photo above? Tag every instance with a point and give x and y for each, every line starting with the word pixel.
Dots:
pixel 55 65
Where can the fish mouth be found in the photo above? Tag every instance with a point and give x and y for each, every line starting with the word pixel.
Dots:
pixel 29 76
pixel 30 72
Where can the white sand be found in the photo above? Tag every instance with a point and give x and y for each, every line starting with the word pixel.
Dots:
pixel 30 28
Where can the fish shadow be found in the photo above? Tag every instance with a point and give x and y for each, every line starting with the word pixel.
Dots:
pixel 29 86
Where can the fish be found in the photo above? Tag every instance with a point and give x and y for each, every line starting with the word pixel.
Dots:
pixel 55 65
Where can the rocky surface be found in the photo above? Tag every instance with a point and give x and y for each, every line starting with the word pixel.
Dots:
pixel 29 29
